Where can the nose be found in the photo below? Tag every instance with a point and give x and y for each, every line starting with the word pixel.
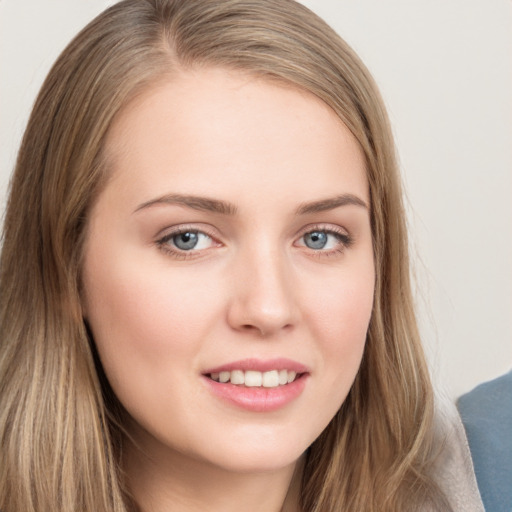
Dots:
pixel 263 294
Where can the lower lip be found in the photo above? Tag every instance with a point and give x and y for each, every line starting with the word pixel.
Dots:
pixel 258 399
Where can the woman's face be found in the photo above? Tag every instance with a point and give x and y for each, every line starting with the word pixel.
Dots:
pixel 231 244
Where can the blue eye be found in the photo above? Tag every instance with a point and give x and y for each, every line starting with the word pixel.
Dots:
pixel 325 240
pixel 316 239
pixel 188 240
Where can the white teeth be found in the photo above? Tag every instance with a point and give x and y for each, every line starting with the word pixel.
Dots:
pixel 237 377
pixel 271 379
pixel 254 379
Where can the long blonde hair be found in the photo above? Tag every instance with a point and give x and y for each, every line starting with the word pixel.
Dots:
pixel 60 441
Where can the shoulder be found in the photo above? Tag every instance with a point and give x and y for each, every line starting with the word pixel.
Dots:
pixel 486 413
pixel 490 397
pixel 453 469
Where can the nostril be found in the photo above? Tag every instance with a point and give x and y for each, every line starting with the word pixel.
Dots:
pixel 253 328
pixel 265 331
pixel 252 311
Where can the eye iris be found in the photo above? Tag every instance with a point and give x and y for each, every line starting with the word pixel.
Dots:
pixel 316 240
pixel 185 241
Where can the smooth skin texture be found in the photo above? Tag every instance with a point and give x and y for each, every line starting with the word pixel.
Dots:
pixel 275 265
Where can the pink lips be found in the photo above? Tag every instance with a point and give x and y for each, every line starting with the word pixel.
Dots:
pixel 259 399
pixel 260 366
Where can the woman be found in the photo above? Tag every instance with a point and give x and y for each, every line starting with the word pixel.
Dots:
pixel 205 286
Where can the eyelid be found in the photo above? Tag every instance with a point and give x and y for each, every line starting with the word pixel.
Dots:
pixel 168 233
pixel 346 239
pixel 183 228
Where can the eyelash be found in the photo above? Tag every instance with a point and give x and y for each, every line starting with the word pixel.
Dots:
pixel 345 241
pixel 163 244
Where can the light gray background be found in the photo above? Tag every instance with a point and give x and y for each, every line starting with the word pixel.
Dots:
pixel 444 68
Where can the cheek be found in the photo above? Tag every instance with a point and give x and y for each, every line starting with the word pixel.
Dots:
pixel 148 330
pixel 143 316
pixel 340 319
pixel 342 303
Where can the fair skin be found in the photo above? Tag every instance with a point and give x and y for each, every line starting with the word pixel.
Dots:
pixel 233 235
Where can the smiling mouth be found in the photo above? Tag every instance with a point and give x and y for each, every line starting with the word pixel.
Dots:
pixel 255 379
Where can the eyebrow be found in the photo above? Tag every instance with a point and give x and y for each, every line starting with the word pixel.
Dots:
pixel 331 203
pixel 225 208
pixel 204 204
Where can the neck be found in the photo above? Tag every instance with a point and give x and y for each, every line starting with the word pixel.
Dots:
pixel 175 482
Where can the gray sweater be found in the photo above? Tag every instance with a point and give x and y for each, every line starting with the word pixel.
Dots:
pixel 454 469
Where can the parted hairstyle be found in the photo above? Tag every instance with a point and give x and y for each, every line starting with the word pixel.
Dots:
pixel 61 436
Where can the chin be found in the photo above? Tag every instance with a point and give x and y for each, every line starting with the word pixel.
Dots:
pixel 256 452
pixel 266 462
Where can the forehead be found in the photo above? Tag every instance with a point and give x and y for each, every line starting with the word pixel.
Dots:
pixel 211 124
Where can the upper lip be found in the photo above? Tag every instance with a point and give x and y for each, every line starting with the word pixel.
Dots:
pixel 260 365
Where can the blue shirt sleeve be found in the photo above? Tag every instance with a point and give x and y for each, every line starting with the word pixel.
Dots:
pixel 486 412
